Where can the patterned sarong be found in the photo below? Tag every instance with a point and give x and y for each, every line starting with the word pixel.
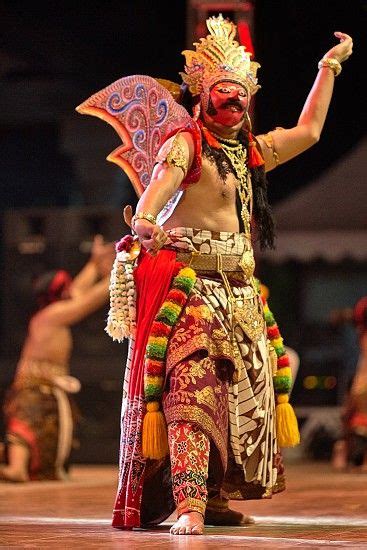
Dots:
pixel 231 400
pixel 42 416
pixel 201 360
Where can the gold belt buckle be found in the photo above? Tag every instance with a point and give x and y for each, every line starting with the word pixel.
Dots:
pixel 194 254
pixel 247 263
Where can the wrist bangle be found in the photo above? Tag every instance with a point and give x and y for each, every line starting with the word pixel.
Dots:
pixel 331 63
pixel 143 216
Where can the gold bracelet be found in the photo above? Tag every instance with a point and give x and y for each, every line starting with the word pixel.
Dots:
pixel 331 63
pixel 143 216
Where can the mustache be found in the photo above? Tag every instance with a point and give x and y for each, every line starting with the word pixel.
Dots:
pixel 234 103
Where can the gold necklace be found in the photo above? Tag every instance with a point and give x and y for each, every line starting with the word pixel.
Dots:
pixel 226 140
pixel 237 155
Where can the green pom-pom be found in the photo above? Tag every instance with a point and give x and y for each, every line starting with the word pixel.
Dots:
pixel 269 319
pixel 183 283
pixel 279 350
pixel 282 384
pixel 167 315
pixel 156 351
pixel 152 392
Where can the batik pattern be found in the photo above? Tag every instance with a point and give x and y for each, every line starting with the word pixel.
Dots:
pixel 204 329
pixel 189 451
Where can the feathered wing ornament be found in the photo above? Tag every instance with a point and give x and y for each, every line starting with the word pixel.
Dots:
pixel 144 114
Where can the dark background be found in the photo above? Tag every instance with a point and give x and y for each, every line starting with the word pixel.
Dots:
pixel 82 48
pixel 52 57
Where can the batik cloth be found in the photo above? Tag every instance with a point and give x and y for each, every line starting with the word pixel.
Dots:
pixel 230 398
pixel 41 416
pixel 189 452
pixel 225 390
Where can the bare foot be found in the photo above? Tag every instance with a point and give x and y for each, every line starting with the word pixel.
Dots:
pixel 248 520
pixel 227 517
pixel 7 474
pixel 191 523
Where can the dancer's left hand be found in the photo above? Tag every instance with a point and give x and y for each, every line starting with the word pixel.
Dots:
pixel 344 49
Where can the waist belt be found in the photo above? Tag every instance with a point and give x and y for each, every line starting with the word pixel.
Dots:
pixel 209 262
pixel 249 316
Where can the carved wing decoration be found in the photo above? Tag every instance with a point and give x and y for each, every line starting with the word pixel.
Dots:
pixel 144 114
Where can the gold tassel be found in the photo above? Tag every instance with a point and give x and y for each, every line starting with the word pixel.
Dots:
pixel 155 439
pixel 286 422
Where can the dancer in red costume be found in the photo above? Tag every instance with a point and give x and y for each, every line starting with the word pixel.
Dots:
pixel 201 423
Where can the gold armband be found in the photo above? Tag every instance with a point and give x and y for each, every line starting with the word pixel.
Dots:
pixel 331 63
pixel 269 142
pixel 143 216
pixel 173 153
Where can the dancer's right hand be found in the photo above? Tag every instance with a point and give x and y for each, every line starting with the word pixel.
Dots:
pixel 152 237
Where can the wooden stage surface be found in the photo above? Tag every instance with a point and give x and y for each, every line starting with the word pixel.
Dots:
pixel 320 509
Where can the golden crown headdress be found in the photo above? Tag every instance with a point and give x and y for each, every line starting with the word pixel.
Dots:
pixel 219 57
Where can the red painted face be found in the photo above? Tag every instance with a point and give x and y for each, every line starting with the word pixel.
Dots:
pixel 228 103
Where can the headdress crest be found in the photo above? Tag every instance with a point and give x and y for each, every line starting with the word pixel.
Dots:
pixel 219 57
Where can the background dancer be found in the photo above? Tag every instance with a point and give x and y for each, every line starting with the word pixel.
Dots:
pixel 40 415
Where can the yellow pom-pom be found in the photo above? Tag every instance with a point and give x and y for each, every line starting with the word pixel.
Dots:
pixel 158 340
pixel 277 341
pixel 155 381
pixel 284 371
pixel 154 436
pixel 187 272
pixel 175 308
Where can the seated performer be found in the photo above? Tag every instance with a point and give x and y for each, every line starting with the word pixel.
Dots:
pixel 38 411
pixel 201 423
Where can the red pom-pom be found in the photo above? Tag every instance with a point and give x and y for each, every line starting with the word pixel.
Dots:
pixel 160 329
pixel 124 244
pixel 273 332
pixel 154 368
pixel 283 361
pixel 177 296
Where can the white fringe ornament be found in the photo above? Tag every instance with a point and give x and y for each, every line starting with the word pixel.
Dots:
pixel 121 321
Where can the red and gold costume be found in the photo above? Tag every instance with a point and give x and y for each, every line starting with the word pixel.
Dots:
pixel 198 416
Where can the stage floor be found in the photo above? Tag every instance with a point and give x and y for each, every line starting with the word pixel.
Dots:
pixel 320 509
